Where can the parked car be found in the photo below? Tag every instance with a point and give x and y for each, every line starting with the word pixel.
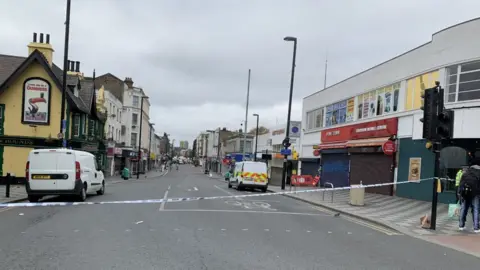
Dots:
pixel 62 172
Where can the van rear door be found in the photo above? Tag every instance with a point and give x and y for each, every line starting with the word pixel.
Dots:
pixel 43 168
pixel 66 167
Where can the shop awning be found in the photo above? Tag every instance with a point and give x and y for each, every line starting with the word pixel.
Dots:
pixel 367 142
pixel 332 145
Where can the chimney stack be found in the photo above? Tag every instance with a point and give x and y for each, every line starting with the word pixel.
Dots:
pixel 129 82
pixel 42 45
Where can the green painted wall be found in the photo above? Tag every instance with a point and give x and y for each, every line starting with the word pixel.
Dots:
pixel 419 191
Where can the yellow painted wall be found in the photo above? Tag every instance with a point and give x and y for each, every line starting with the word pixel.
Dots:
pixel 14 160
pixel 12 98
pixel 415 88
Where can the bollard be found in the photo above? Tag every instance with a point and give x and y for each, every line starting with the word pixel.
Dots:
pixel 7 188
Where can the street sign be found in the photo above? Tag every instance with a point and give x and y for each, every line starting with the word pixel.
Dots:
pixel 389 148
pixel 286 152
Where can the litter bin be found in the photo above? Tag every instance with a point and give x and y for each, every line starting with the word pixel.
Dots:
pixel 125 173
pixel 357 195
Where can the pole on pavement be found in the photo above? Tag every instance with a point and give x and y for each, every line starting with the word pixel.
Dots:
pixel 284 172
pixel 219 163
pixel 150 144
pixel 63 121
pixel 256 137
pixel 140 137
pixel 433 216
pixel 246 117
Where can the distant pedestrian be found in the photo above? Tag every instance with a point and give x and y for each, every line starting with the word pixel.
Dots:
pixel 457 181
pixel 469 193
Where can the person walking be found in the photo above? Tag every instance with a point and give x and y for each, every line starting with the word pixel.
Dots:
pixel 469 193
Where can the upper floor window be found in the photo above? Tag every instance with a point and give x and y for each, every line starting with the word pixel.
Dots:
pixel 133 140
pixel 134 119
pixel 76 125
pixel 463 82
pixel 315 119
pixel 136 101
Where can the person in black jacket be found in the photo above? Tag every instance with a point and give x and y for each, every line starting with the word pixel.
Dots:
pixel 469 192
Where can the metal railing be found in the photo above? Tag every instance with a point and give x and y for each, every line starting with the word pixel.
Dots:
pixel 323 193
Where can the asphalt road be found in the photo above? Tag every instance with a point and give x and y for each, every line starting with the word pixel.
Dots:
pixel 267 232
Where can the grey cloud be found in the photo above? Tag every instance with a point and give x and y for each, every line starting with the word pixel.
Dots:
pixel 194 52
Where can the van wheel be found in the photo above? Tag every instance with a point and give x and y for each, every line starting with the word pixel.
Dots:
pixel 32 198
pixel 264 190
pixel 102 190
pixel 83 194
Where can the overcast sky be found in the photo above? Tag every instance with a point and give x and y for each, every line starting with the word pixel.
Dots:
pixel 192 56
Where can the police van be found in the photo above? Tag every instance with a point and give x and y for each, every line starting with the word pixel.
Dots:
pixel 249 174
pixel 62 172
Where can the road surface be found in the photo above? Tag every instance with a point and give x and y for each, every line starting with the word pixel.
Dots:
pixel 267 232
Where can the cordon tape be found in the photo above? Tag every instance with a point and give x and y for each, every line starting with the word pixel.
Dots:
pixel 170 200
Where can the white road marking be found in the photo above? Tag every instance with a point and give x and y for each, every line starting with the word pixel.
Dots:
pixel 75 230
pixel 309 231
pixel 244 211
pixel 162 205
pixel 244 229
pixel 287 230
pixel 21 214
pixel 223 229
pixel 139 222
pixel 196 189
pixel 329 232
pixel 349 233
pixel 267 230
pixel 128 230
pixel 226 191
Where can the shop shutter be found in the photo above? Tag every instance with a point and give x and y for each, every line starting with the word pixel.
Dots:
pixel 335 169
pixel 372 168
pixel 310 168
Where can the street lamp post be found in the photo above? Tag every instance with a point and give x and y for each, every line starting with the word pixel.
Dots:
pixel 150 144
pixel 256 137
pixel 287 133
pixel 63 121
pixel 140 137
pixel 246 117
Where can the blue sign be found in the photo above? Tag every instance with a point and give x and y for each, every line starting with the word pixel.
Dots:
pixel 64 124
pixel 295 129
pixel 286 152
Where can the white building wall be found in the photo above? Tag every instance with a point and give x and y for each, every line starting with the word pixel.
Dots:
pixel 447 47
pixel 263 143
pixel 113 125
pixel 128 110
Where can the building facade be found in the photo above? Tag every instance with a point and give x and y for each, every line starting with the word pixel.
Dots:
pixel 184 144
pixel 347 125
pixel 30 95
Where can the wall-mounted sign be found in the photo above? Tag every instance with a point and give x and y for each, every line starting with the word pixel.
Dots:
pixel 372 129
pixel 278 132
pixel 295 127
pixel 389 148
pixel 36 101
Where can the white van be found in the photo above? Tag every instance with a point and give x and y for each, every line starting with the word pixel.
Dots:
pixel 249 174
pixel 62 172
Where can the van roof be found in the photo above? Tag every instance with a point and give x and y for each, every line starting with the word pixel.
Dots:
pixel 60 150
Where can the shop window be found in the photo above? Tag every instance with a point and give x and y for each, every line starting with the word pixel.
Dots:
pixel 336 113
pixel 76 125
pixel 463 82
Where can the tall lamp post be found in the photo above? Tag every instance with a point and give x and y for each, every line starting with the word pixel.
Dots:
pixel 286 142
pixel 256 137
pixel 140 136
pixel 150 144
pixel 63 121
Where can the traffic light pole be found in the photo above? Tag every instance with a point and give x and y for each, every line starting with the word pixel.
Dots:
pixel 436 174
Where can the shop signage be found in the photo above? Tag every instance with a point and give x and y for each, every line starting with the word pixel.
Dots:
pixel 36 101
pixel 389 147
pixel 28 142
pixel 17 142
pixel 278 132
pixel 110 152
pixel 372 129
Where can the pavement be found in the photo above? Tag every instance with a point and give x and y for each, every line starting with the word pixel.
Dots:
pixel 265 232
pixel 397 213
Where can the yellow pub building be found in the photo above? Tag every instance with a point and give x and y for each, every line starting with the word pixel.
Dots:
pixel 30 108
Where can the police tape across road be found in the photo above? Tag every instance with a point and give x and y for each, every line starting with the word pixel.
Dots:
pixel 170 200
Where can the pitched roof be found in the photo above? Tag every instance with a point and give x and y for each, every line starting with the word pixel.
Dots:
pixel 11 67
pixel 86 93
pixel 8 64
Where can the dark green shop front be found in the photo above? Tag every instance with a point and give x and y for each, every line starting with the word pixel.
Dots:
pixel 417 162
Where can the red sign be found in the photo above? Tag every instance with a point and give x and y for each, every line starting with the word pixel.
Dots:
pixel 373 129
pixel 389 148
pixel 316 152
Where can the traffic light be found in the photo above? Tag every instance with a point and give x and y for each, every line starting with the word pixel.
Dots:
pixel 445 124
pixel 429 120
pixel 286 142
